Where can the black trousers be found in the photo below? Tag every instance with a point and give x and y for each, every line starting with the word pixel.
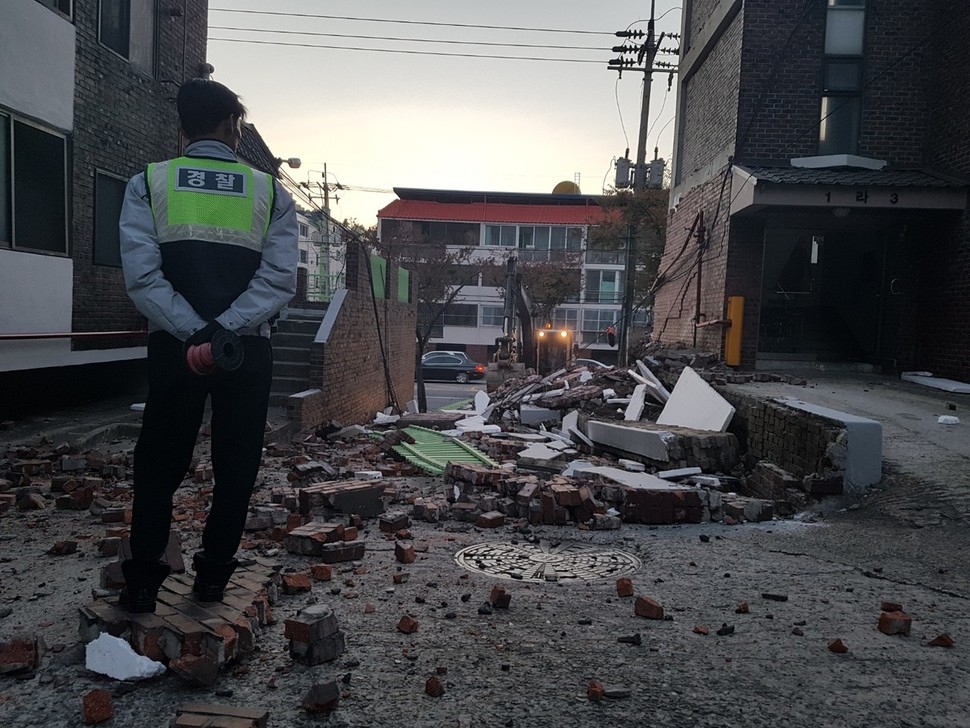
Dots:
pixel 170 427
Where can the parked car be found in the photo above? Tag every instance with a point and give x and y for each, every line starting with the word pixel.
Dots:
pixel 450 366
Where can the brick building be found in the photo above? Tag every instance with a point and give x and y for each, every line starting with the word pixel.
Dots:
pixel 820 173
pixel 533 228
pixel 86 100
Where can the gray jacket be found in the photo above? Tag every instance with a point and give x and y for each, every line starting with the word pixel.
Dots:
pixel 271 287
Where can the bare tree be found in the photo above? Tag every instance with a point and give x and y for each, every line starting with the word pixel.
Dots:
pixel 438 274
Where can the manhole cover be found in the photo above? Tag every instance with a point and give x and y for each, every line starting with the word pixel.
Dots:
pixel 547 561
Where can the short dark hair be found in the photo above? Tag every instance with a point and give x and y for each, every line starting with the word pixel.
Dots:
pixel 204 104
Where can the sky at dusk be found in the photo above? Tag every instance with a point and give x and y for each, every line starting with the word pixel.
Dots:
pixel 380 120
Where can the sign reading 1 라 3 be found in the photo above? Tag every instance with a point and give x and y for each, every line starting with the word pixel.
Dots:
pixel 220 182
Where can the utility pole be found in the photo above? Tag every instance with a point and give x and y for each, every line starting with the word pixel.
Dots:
pixel 646 54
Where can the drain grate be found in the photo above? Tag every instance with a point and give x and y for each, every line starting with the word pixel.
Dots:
pixel 547 561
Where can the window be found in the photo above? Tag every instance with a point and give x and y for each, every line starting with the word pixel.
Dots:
pixel 128 28
pixel 61 6
pixel 304 230
pixel 33 187
pixel 500 235
pixel 565 318
pixel 604 286
pixel 460 314
pixel 493 316
pixel 304 256
pixel 109 193
pixel 595 322
pixel 841 108
pixel 451 233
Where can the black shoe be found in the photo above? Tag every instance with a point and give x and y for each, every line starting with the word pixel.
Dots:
pixel 143 579
pixel 211 577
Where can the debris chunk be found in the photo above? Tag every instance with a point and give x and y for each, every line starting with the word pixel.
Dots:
pixel 895 623
pixel 649 608
pixel 96 707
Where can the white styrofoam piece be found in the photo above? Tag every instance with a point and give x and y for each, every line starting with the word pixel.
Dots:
pixel 609 393
pixel 137 407
pixel 382 419
pixel 694 404
pixel 625 477
pixel 112 656
pixel 412 406
pixel 472 422
pixel 928 380
pixel 585 376
pixel 948 420
pixel 635 408
pixel 481 401
pixel 368 475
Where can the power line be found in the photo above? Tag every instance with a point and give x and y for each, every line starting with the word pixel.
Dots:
pixel 409 22
pixel 407 40
pixel 407 52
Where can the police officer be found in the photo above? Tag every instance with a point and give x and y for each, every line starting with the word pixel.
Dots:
pixel 208 246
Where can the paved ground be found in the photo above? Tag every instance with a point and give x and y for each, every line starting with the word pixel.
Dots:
pixel 530 665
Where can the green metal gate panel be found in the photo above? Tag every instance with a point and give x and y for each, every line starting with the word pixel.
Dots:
pixel 431 451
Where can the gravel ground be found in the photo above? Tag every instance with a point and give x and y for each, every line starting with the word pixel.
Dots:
pixel 530 665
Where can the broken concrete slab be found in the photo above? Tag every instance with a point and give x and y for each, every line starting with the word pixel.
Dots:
pixel 635 408
pixel 694 404
pixel 672 448
pixel 657 389
pixel 651 444
pixel 859 452
pixel 928 380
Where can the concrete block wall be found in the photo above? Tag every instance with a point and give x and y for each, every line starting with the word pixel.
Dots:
pixel 347 369
pixel 123 119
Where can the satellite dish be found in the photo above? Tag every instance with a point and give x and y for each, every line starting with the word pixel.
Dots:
pixel 566 188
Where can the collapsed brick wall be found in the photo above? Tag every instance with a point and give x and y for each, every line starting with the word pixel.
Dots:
pixel 795 441
pixel 347 371
pixel 124 118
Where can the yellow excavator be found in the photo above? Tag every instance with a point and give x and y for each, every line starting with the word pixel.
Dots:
pixel 515 350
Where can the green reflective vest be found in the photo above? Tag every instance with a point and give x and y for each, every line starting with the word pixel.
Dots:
pixel 210 200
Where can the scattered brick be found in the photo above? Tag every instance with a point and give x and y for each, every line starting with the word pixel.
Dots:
pixel 942 640
pixel 199 670
pixel 339 552
pixel 491 519
pixel 838 647
pixel 891 607
pixel 322 698
pixel 321 572
pixel 96 707
pixel 434 687
pixel 295 583
pixel 404 552
pixel 895 623
pixel 595 690
pixel 647 607
pixel 393 522
pixel 499 598
pixel 624 587
pixel 311 624
pixel 350 533
pixel 31 502
pixel 63 548
pixel 702 630
pixel 21 654
pixel 743 608
pixel 403 535
pixel 407 624
pixel 400 577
